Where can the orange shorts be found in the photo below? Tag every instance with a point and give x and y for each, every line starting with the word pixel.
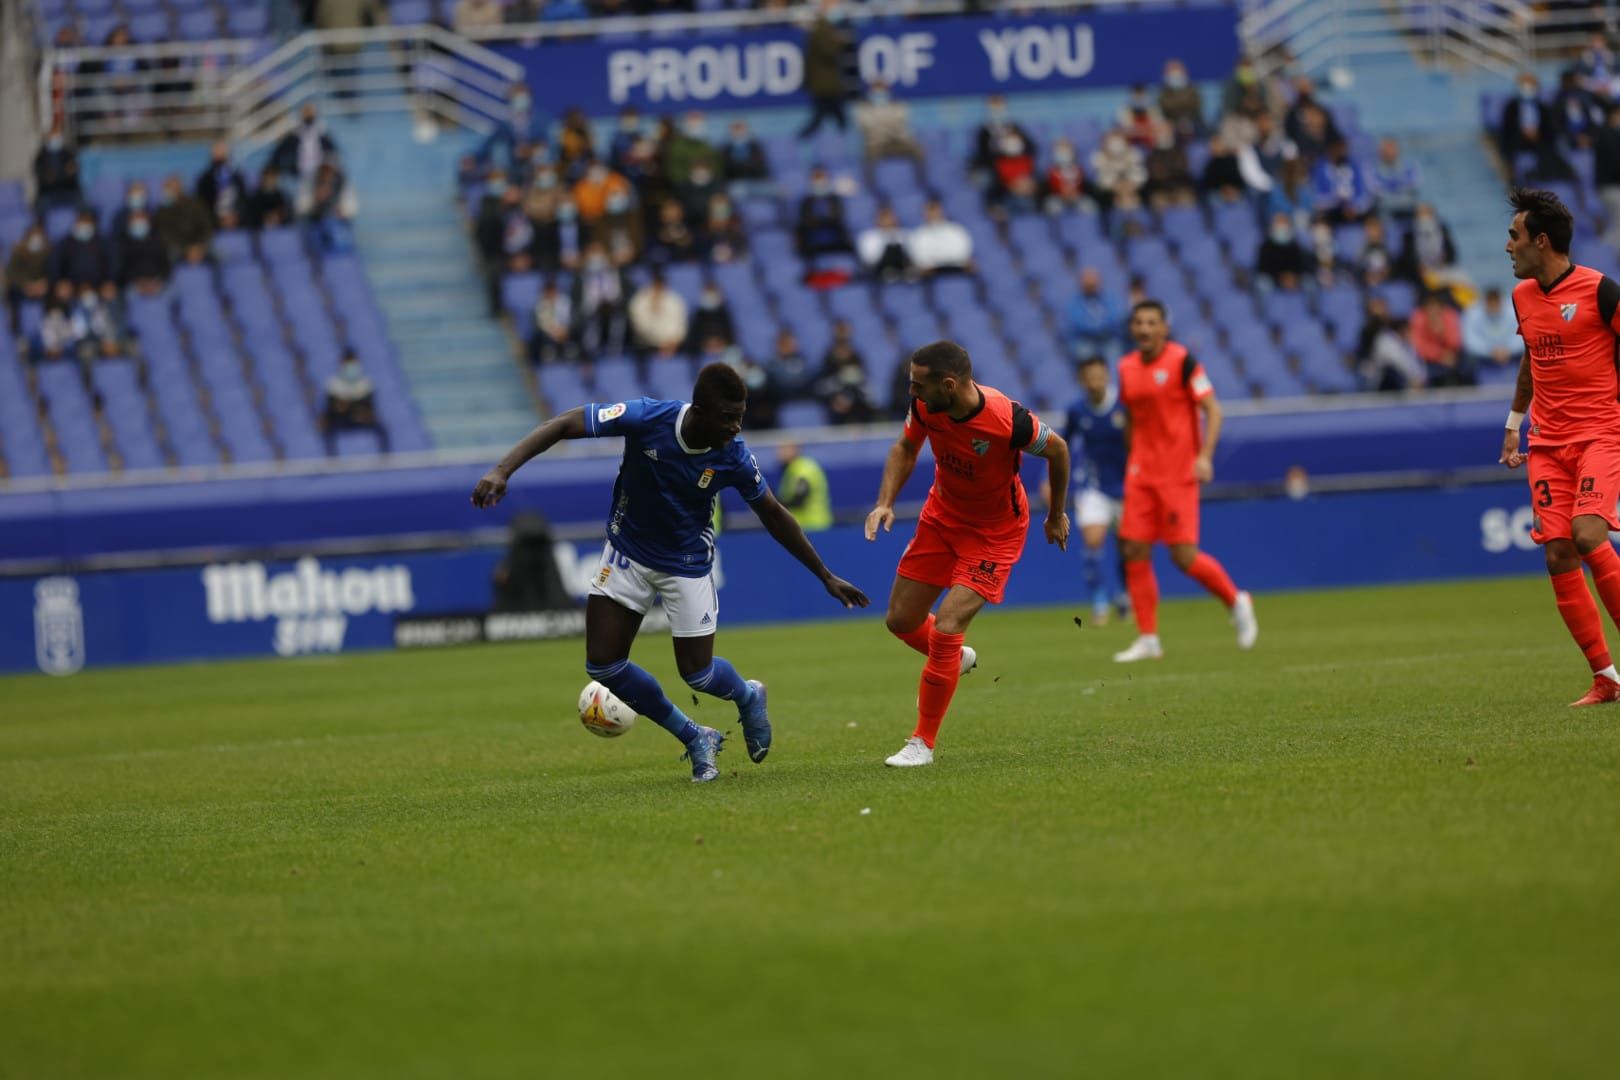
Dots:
pixel 1160 513
pixel 1567 482
pixel 945 554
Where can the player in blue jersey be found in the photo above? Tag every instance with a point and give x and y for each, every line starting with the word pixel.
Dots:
pixel 1095 429
pixel 678 456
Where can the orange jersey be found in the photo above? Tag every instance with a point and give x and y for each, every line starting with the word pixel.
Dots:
pixel 1569 332
pixel 1162 396
pixel 976 458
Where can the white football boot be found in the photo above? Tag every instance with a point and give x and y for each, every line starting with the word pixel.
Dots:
pixel 970 659
pixel 1145 647
pixel 915 752
pixel 1248 627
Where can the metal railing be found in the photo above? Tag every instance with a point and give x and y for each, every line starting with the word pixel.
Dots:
pixel 140 90
pixel 1331 36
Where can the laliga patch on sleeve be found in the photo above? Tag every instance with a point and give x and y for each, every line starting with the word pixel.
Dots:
pixel 612 412
pixel 1200 384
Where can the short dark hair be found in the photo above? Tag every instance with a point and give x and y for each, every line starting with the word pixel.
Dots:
pixel 717 386
pixel 1152 305
pixel 1545 213
pixel 944 358
pixel 1087 361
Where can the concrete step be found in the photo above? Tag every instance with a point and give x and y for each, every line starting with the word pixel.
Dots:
pixel 467 352
pixel 489 429
pixel 485 372
pixel 466 396
pixel 417 305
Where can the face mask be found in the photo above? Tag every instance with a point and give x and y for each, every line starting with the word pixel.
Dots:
pixel 545 181
pixel 880 97
pixel 83 231
pixel 1176 80
pixel 597 262
pixel 168 198
pixel 998 113
pixel 820 187
pixel 629 123
pixel 1063 156
pixel 596 174
pixel 54 142
pixel 36 244
pixel 1012 146
pixel 1296 486
pixel 710 301
pixel 693 129
pixel 351 370
pixel 722 212
pixel 139 229
pixel 567 212
pixel 617 204
pixel 1282 234
pixel 701 177
pixel 835 17
pixel 496 188
pixel 137 200
pixel 1527 93
pixel 1114 145
pixel 521 103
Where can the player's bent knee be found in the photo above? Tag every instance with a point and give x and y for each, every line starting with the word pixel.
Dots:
pixel 1590 532
pixel 901 623
pixel 1562 556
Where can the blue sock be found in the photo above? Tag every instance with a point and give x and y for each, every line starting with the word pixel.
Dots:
pixel 722 681
pixel 1094 578
pixel 639 690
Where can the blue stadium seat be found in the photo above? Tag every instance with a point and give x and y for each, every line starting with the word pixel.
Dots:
pixel 802 414
pixel 616 379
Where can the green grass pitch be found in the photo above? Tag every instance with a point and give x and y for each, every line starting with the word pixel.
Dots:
pixel 1379 845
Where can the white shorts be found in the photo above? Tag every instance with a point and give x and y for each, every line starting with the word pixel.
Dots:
pixel 1095 508
pixel 692 604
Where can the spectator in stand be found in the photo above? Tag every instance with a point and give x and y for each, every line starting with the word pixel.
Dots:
pixel 1490 333
pixel 1342 195
pixel 621 228
pixel 1292 196
pixel 136 200
pixel 1281 262
pixel 511 234
pixel 1428 250
pixel 1606 173
pixel 673 240
pixel 104 335
pixel 988 140
pixel 267 207
pixel 820 228
pixel 576 145
pixel 489 228
pixel 300 153
pixel 885 125
pixel 939 245
pixel 1135 292
pixel 554 328
pixel 1223 176
pixel 744 157
pixel 221 189
pixel 842 385
pixel 1374 264
pixel 711 320
pixel 1324 255
pixel 702 184
pixel 473 15
pixel 792 377
pixel 1012 181
pixel 1067 185
pixel 523 123
pixel 658 317
pixel 624 137
pixel 1310 133
pixel 1262 161
pixel 56 171
pixel 1094 319
pixel 526 158
pixel 1436 335
pixel 1180 102
pixel 643 169
pixel 1117 168
pixel 331 208
pixel 1140 119
pixel 883 248
pixel 351 405
pixel 183 222
pixel 1578 111
pixel 1170 180
pixel 81 258
pixel 830 68
pixel 1384 358
pixel 1245 96
pixel 601 299
pixel 540 200
pixel 27 276
pixel 802 488
pixel 593 190
pixel 686 148
pixel 1530 127
pixel 1395 183
pixel 763 403
pixel 559 243
pixel 143 259
pixel 723 234
pixel 61 331
pixel 1596 65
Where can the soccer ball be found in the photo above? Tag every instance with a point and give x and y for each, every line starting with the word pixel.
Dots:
pixel 602 713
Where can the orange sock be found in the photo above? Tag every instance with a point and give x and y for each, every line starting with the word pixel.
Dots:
pixel 1581 616
pixel 1605 566
pixel 1144 590
pixel 1209 573
pixel 938 684
pixel 918 638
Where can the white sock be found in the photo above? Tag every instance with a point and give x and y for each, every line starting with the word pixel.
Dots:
pixel 1153 639
pixel 1610 673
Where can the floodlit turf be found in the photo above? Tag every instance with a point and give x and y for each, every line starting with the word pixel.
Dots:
pixel 1377 845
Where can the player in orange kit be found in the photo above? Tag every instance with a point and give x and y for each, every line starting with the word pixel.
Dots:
pixel 1163 390
pixel 972 527
pixel 1567 383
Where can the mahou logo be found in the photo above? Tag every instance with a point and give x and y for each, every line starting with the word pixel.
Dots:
pixel 311 605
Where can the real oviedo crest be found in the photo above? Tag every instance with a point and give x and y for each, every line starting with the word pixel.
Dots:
pixel 58 626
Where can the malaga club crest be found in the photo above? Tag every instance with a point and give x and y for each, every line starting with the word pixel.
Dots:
pixel 1568 311
pixel 58 626
pixel 981 446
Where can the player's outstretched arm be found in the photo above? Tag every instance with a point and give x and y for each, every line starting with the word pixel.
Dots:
pixel 1204 467
pixel 785 530
pixel 896 471
pixel 1056 453
pixel 491 489
pixel 1523 393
